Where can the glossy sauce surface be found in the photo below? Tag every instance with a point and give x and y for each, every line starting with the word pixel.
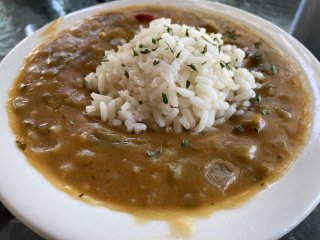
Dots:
pixel 91 159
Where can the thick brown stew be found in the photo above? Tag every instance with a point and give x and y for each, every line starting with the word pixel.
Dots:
pixel 153 170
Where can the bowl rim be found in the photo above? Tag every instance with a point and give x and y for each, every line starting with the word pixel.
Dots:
pixel 40 224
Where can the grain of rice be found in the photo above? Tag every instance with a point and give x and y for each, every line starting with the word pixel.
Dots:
pixel 185 92
pixel 211 118
pixel 103 111
pixel 116 123
pixel 202 123
pixel 125 106
pixel 158 118
pixel 245 104
pixel 231 110
pixel 199 103
pixel 90 109
pixel 184 122
pixel 173 99
pixel 239 113
pixel 171 116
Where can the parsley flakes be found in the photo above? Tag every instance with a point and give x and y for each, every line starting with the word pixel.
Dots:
pixel 156 62
pixel 266 111
pixel 145 51
pixel 232 34
pixel 258 98
pixel 187 32
pixel 164 98
pixel 169 30
pixel 238 128
pixel 192 67
pixel 274 69
pixel 223 64
pixel 126 73
pixel 178 55
pixel 185 143
pixel 154 153
pixel 134 52
pixel 205 49
pixel 169 48
pixel 188 83
pixel 257 45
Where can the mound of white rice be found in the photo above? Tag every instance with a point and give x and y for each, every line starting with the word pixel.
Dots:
pixel 176 76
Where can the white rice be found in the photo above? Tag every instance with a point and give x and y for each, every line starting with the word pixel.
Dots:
pixel 175 76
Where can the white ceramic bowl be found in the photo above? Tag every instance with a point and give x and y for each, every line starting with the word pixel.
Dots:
pixel 54 214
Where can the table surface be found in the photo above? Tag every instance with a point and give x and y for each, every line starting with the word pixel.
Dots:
pixel 15 15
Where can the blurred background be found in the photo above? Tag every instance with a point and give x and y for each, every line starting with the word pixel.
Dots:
pixel 19 18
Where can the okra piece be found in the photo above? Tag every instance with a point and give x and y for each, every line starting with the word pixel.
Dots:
pixel 108 136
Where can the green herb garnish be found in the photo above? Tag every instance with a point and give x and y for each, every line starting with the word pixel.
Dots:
pixel 104 59
pixel 274 69
pixel 141 45
pixel 238 128
pixel 261 68
pixel 185 143
pixel 126 74
pixel 135 53
pixel 192 67
pixel 232 34
pixel 156 62
pixel 207 40
pixel 266 111
pixel 169 30
pixel 205 49
pixel 258 98
pixel 178 55
pixel 258 56
pixel 223 64
pixel 169 48
pixel 154 153
pixel 187 32
pixel 257 44
pixel 145 51
pixel 164 98
pixel 154 41
pixel 188 83
pixel 129 39
pixel 218 44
